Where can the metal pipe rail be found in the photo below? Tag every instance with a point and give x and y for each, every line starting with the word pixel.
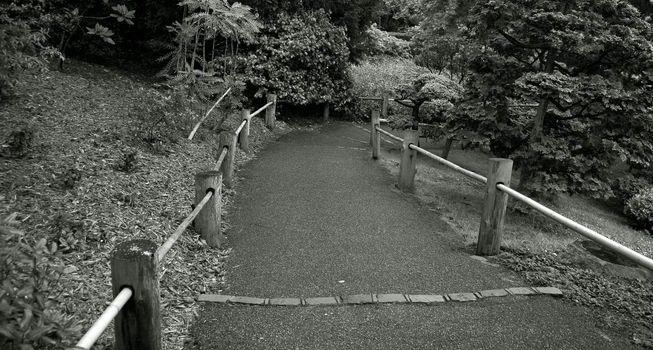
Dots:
pixel 241 126
pixel 585 231
pixel 163 250
pixel 221 158
pixel 261 109
pixel 396 138
pixel 101 324
pixel 451 165
pixel 197 126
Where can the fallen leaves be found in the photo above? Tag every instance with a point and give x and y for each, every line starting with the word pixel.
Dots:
pixel 69 190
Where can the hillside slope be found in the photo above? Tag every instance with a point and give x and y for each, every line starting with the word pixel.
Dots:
pixel 76 171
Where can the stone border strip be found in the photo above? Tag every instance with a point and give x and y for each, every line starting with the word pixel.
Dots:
pixel 362 299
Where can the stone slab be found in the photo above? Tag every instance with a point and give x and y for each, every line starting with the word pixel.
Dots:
pixel 426 299
pixel 357 299
pixel 285 302
pixel 521 291
pixel 215 298
pixel 390 298
pixel 549 291
pixel 493 293
pixel 462 297
pixel 321 301
pixel 247 300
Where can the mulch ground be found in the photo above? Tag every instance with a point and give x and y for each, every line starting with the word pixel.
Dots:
pixel 86 183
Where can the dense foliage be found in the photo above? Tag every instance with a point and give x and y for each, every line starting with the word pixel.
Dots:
pixel 303 59
pixel 382 43
pixel 354 15
pixel 23 44
pixel 640 208
pixel 29 311
pixel 438 90
pixel 586 65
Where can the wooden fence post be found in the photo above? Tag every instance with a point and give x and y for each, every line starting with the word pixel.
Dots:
pixel 207 222
pixel 494 209
pixel 228 139
pixel 325 112
pixel 134 264
pixel 384 107
pixel 376 136
pixel 408 166
pixel 243 137
pixel 270 112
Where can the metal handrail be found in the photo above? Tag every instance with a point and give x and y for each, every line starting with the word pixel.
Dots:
pixel 583 230
pixel 262 109
pixel 221 158
pixel 241 126
pixel 163 250
pixel 396 138
pixel 104 320
pixel 451 165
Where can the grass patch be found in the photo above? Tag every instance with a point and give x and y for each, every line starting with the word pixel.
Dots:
pixel 537 247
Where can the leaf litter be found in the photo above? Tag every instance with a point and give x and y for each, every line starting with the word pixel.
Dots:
pixel 70 190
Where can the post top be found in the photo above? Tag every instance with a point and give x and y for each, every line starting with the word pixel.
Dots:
pixel 135 248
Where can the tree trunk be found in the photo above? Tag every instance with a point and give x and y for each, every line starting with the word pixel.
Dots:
pixel 538 129
pixel 447 148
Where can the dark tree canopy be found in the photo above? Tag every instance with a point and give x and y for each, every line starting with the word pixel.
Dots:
pixel 355 15
pixel 587 66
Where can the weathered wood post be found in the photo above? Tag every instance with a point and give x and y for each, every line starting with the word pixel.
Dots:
pixel 494 209
pixel 134 265
pixel 243 137
pixel 270 112
pixel 229 140
pixel 408 165
pixel 376 136
pixel 325 112
pixel 207 222
pixel 384 107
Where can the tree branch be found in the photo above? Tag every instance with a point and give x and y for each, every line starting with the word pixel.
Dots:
pixel 516 42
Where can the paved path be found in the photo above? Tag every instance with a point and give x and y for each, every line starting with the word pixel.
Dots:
pixel 315 210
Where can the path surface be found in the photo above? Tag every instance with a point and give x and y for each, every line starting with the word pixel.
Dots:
pixel 315 210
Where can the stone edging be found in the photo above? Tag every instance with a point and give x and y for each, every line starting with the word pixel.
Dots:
pixel 371 298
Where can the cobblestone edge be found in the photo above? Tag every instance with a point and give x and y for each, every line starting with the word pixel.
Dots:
pixel 385 298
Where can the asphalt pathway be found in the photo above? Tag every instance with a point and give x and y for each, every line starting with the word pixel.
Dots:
pixel 315 216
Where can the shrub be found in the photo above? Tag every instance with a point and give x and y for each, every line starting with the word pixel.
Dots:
pixel 29 315
pixel 626 187
pixel 303 59
pixel 23 42
pixel 163 117
pixel 19 143
pixel 380 76
pixel 640 208
pixel 386 44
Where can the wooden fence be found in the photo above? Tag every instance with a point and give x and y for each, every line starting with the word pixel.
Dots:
pixel 496 195
pixel 135 264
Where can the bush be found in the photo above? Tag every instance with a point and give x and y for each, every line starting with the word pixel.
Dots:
pixel 640 208
pixel 626 187
pixel 23 43
pixel 29 315
pixel 303 59
pixel 380 76
pixel 386 44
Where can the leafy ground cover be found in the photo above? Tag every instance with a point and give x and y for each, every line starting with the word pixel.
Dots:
pixel 86 181
pixel 537 248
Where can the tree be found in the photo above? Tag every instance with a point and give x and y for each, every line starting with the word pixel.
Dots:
pixel 586 65
pixel 429 87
